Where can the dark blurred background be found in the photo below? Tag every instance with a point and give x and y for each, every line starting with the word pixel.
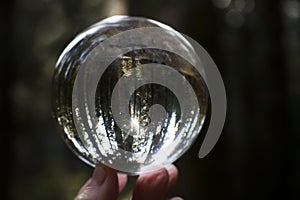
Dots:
pixel 255 44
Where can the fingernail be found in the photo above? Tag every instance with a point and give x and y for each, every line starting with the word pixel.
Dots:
pixel 172 169
pixel 99 174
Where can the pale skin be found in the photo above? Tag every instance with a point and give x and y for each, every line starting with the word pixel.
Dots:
pixel 106 184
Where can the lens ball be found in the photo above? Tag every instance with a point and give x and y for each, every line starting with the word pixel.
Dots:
pixel 127 94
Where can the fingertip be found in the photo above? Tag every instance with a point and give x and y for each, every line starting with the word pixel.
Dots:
pixel 151 185
pixel 172 171
pixel 177 198
pixel 102 185
pixel 173 176
pixel 99 174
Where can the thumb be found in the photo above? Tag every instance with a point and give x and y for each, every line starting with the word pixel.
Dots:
pixel 102 185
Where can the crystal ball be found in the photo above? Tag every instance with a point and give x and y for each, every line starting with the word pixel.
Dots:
pixel 126 94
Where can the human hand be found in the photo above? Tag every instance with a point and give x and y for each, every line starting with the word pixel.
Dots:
pixel 106 184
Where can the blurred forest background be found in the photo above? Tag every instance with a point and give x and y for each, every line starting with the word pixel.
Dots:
pixel 255 44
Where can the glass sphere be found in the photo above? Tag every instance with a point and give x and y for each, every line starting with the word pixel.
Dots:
pixel 126 94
